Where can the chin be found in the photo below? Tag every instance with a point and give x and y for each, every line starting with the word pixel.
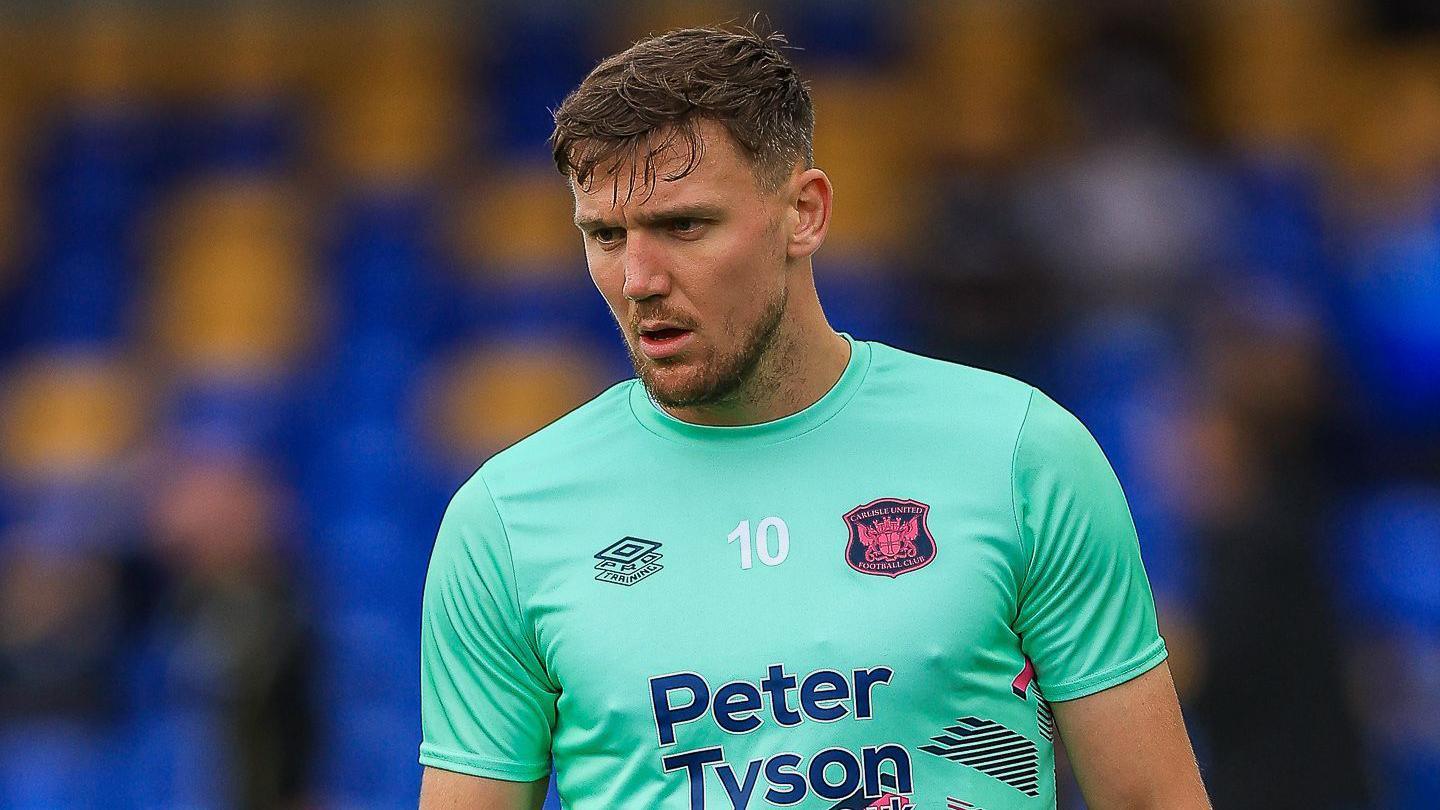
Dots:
pixel 675 386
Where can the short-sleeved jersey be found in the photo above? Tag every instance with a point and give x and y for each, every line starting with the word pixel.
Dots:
pixel 866 604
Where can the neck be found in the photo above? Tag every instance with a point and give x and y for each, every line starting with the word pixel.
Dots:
pixel 801 365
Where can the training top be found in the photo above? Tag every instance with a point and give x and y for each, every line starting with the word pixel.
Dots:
pixel 866 604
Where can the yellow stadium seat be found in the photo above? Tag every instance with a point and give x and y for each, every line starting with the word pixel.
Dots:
pixel 64 415
pixel 865 142
pixel 645 17
pixel 1386 126
pixel 986 69
pixel 233 290
pixel 517 221
pixel 231 51
pixel 398 114
pixel 105 56
pixel 252 57
pixel 1272 68
pixel 487 397
pixel 13 224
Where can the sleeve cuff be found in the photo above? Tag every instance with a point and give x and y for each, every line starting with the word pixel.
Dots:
pixel 1114 676
pixel 472 765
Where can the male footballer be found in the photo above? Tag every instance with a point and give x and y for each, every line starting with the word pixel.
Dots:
pixel 783 567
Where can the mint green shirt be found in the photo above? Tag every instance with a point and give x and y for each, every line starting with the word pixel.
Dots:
pixel 864 604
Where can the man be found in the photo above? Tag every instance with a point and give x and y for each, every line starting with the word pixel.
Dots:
pixel 783 567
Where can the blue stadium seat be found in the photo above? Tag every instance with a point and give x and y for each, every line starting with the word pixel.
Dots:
pixel 857 32
pixel 371 561
pixel 236 414
pixel 370 756
pixel 1391 551
pixel 89 191
pixel 54 763
pixel 521 88
pixel 362 464
pixel 867 301
pixel 175 757
pixel 76 293
pixel 1277 228
pixel 242 135
pixel 387 266
pixel 371 377
pixel 554 305
pixel 1389 567
pixel 1390 319
pixel 373 655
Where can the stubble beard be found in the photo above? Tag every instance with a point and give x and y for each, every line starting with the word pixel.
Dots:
pixel 717 377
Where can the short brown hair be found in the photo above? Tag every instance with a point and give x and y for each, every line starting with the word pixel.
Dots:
pixel 739 78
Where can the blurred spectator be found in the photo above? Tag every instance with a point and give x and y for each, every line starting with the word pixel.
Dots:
pixel 1270 697
pixel 1389 551
pixel 227 642
pixel 59 635
pixel 61 652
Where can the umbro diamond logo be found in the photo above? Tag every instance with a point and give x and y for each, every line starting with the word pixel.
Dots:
pixel 628 560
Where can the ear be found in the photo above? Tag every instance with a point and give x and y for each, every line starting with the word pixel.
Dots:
pixel 810 202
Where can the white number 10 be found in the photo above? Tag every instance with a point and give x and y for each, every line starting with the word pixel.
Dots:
pixel 761 542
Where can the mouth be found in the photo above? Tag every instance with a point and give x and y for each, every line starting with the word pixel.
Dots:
pixel 661 341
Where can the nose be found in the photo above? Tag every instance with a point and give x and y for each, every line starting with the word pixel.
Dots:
pixel 645 273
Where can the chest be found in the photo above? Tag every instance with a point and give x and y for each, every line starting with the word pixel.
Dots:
pixel 840 569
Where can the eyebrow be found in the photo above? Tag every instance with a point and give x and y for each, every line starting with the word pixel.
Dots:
pixel 688 211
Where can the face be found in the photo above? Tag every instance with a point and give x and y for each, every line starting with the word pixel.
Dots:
pixel 694 271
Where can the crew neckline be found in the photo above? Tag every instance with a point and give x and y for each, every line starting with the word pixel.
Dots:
pixel 656 420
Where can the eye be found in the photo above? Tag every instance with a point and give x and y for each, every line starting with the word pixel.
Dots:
pixel 685 226
pixel 607 236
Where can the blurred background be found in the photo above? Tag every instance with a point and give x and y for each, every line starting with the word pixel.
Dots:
pixel 274 279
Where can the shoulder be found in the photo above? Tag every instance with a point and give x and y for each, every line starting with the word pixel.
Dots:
pixel 953 392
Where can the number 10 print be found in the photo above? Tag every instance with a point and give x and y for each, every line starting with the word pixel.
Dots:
pixel 770 529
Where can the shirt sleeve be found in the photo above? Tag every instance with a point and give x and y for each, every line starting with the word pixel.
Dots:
pixel 486 705
pixel 1086 615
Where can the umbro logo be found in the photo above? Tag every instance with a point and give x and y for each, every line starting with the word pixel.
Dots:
pixel 628 560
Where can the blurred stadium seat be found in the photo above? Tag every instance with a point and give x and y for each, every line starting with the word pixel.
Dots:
pixel 863 117
pixel 233 289
pixel 69 415
pixel 487 398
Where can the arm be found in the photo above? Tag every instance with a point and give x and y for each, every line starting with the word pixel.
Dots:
pixel 448 790
pixel 1086 619
pixel 487 706
pixel 1129 748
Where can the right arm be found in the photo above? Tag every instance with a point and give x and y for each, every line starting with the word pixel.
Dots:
pixel 448 790
pixel 487 705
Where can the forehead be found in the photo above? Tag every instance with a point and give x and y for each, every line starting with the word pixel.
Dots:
pixel 722 173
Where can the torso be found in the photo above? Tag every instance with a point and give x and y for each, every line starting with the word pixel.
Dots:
pixel 757 648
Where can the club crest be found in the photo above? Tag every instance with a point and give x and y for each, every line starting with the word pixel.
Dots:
pixel 889 537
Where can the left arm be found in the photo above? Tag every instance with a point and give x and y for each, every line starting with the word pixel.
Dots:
pixel 1129 748
pixel 1086 619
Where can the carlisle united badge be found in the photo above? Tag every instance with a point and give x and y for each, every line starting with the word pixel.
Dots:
pixel 889 537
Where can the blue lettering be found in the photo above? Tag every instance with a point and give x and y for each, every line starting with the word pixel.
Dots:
pixel 874 756
pixel 865 680
pixel 824 686
pixel 694 763
pixel 735 706
pixel 780 772
pixel 849 781
pixel 776 684
pixel 739 794
pixel 667 717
